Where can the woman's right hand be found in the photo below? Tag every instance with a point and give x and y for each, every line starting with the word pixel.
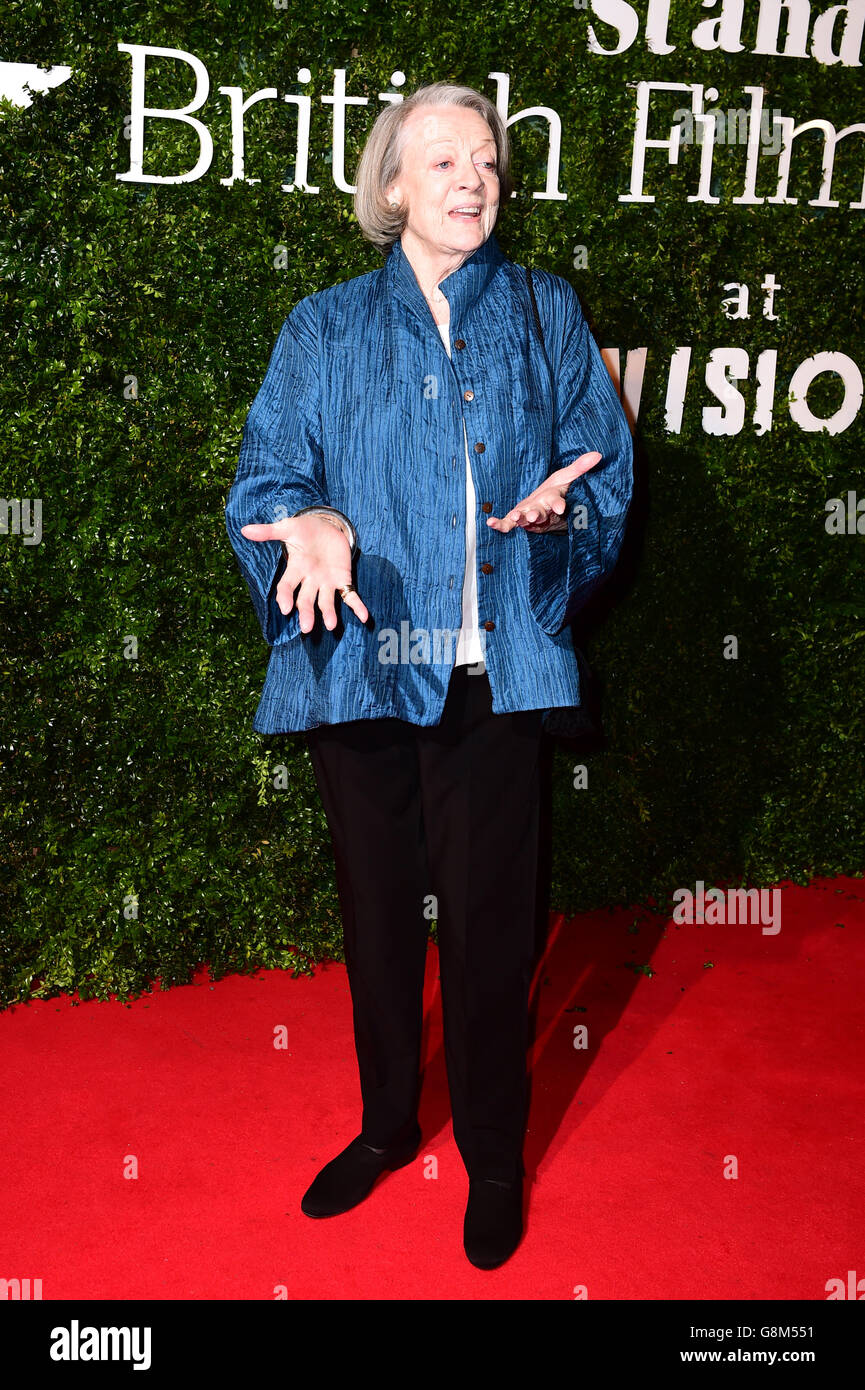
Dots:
pixel 318 562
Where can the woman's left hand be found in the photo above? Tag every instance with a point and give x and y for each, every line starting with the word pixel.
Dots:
pixel 543 509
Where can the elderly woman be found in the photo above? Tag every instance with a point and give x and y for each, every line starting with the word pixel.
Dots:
pixel 433 477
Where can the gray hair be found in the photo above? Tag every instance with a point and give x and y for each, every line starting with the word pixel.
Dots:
pixel 380 159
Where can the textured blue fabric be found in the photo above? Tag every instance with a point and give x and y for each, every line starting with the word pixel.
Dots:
pixel 362 410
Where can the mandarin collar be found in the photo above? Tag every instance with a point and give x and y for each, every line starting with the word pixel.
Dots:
pixel 462 288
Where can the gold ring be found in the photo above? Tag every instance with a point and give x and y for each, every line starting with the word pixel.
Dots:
pixel 346 589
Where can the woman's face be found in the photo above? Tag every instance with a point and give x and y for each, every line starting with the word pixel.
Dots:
pixel 448 163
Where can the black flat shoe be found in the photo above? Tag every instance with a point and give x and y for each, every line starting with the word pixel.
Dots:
pixel 493 1223
pixel 351 1176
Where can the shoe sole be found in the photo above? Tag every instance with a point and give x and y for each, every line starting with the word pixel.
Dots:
pixel 498 1263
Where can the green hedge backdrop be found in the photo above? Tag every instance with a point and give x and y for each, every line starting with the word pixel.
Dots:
pixel 145 827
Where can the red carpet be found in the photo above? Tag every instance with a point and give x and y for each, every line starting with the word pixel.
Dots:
pixel 739 1044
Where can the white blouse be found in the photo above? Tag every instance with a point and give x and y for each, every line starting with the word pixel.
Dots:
pixel 469 649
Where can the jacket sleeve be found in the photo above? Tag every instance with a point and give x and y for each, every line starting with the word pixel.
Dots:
pixel 565 568
pixel 281 466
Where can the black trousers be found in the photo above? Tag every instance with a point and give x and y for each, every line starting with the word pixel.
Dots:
pixel 439 822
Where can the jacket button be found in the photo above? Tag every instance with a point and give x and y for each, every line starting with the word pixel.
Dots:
pixel 486 568
pixel 480 448
pixel 487 507
pixel 459 342
pixel 468 395
pixel 489 624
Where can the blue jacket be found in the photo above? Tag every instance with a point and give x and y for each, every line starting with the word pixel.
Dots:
pixel 362 410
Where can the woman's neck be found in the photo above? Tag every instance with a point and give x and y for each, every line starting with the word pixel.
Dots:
pixel 430 268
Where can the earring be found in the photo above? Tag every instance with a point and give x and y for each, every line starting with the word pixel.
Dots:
pixel 393 204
